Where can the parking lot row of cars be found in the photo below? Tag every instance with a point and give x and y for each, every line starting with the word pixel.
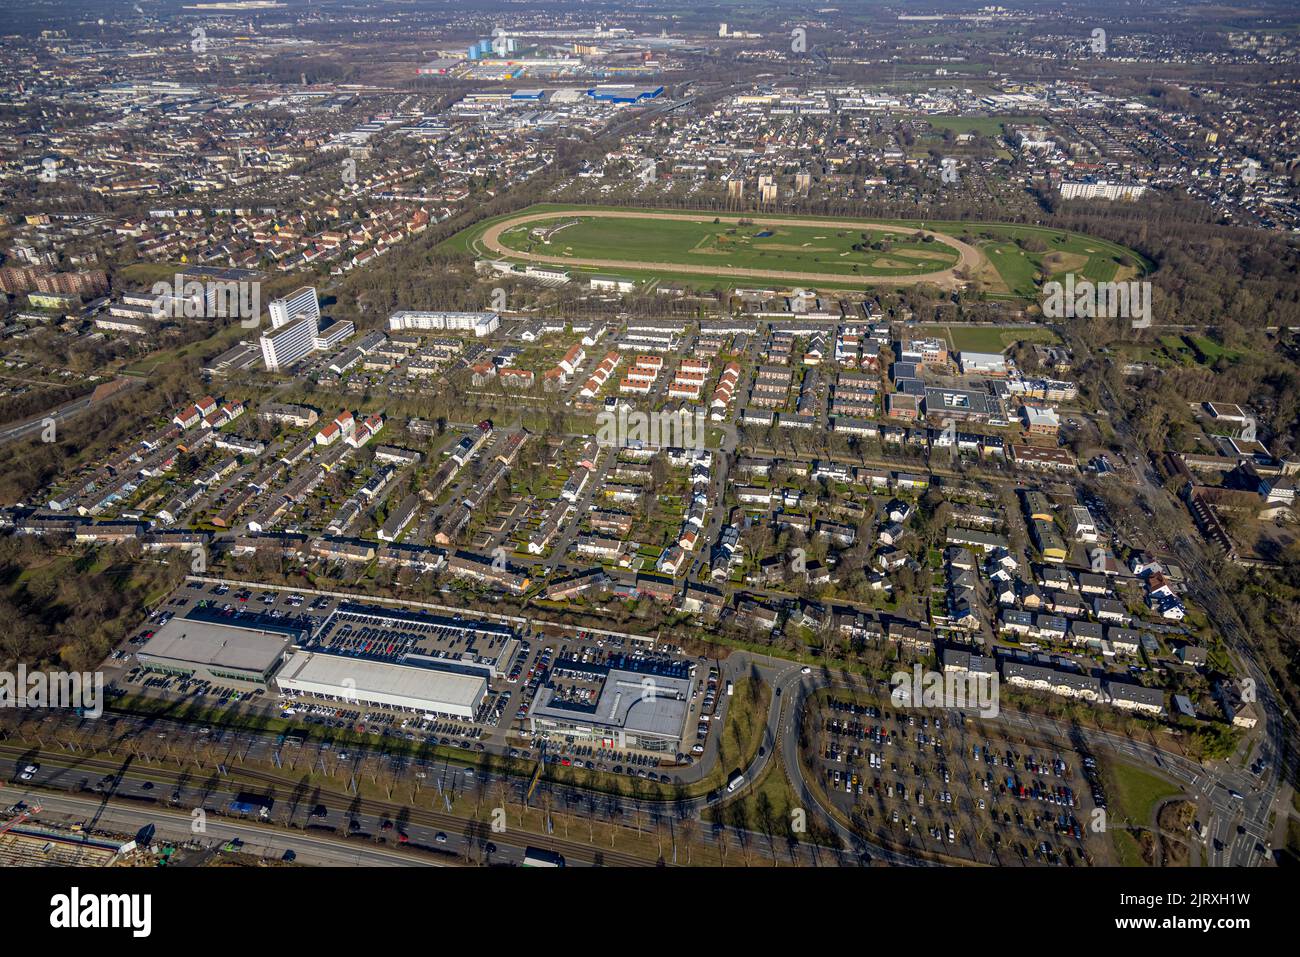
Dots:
pixel 936 780
pixel 186 686
pixel 245 594
pixel 598 759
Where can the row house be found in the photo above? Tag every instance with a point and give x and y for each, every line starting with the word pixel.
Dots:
pixel 1063 683
pixel 591 581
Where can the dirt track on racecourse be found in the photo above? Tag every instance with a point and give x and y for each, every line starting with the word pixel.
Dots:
pixel 969 258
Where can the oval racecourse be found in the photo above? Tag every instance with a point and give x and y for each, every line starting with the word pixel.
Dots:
pixel 969 260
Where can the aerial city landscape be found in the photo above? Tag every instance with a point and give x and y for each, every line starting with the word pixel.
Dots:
pixel 479 434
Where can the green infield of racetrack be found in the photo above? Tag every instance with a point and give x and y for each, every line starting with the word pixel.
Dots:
pixel 1011 271
pixel 794 248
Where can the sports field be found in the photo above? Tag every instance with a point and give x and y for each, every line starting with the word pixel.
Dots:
pixel 703 249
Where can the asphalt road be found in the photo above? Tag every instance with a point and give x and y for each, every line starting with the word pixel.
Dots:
pixel 59 413
pixel 1237 824
pixel 135 784
pixel 137 795
pixel 177 827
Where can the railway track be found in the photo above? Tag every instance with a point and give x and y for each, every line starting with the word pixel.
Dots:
pixel 356 805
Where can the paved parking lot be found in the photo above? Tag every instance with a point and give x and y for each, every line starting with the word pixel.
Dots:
pixel 934 781
pixel 527 661
pixel 567 662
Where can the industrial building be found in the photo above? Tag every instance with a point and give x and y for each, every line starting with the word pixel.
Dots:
pixel 432 686
pixel 237 651
pixel 623 93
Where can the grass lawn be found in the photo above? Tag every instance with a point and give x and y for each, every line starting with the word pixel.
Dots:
pixel 1177 350
pixel 985 125
pixel 221 340
pixel 1081 255
pixel 1184 350
pixel 1016 267
pixel 1208 351
pixel 146 274
pixel 1135 792
pixel 989 338
pixel 1127 849
pixel 768 805
pixel 742 729
pixel 763 245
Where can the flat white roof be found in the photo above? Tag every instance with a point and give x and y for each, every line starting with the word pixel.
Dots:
pixel 207 644
pixel 383 682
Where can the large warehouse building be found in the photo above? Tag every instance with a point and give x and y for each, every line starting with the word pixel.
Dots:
pixel 433 687
pixel 623 93
pixel 227 651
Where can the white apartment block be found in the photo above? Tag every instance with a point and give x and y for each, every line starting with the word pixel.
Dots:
pixel 1102 190
pixel 480 323
pixel 1083 527
pixel 285 345
pixel 301 302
